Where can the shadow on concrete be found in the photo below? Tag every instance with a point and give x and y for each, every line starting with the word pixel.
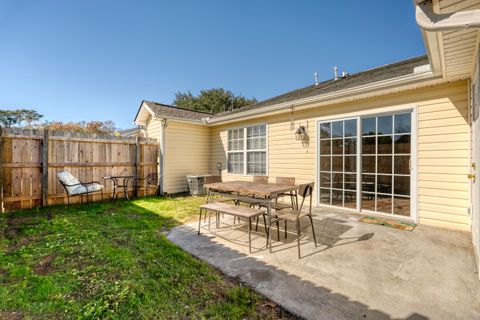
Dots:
pixel 300 297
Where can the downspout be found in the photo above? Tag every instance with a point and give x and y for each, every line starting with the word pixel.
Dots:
pixel 161 160
pixel 428 20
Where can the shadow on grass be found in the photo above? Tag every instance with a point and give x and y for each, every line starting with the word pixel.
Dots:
pixel 112 260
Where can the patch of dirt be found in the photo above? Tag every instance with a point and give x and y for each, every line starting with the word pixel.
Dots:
pixel 23 242
pixel 11 315
pixel 264 308
pixel 45 265
pixel 122 241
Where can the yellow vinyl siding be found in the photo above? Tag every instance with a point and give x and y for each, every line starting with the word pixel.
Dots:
pixel 186 153
pixel 443 147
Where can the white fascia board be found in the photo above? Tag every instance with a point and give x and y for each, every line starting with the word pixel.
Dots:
pixel 360 92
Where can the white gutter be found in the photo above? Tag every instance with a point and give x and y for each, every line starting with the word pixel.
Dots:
pixel 428 20
pixel 364 91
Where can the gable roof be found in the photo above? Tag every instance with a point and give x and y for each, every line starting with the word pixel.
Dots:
pixel 385 72
pixel 164 110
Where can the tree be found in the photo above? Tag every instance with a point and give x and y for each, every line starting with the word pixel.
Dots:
pixel 10 118
pixel 103 127
pixel 212 100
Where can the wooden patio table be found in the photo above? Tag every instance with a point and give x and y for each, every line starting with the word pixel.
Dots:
pixel 264 193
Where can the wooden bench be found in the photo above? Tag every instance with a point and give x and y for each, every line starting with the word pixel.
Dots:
pixel 233 210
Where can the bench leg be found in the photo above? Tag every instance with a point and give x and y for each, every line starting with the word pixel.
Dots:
pixel 209 219
pixel 200 221
pixel 285 229
pixel 249 235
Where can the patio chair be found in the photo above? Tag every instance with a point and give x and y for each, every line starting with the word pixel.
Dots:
pixel 149 182
pixel 294 215
pixel 260 179
pixel 74 187
pixel 282 205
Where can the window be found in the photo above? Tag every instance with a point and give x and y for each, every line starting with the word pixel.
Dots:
pixel 247 150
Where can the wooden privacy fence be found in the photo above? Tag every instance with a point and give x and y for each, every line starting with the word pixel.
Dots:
pixel 27 181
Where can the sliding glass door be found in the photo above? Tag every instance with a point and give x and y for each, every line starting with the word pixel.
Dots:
pixel 364 163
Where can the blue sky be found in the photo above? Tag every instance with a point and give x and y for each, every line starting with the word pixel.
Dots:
pixel 96 60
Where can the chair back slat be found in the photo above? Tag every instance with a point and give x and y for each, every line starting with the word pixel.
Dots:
pixel 305 191
pixel 285 180
pixel 260 179
pixel 213 179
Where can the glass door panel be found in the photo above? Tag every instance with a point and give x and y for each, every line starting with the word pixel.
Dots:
pixel 338 163
pixel 386 151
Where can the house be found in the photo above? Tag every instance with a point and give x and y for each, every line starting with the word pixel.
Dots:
pixel 400 140
pixel 132 132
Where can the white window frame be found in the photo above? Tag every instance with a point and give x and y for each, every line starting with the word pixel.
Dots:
pixel 414 159
pixel 245 151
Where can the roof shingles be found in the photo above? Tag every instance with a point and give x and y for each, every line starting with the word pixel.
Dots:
pixel 385 72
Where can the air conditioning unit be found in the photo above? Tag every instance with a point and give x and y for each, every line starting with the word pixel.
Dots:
pixel 195 184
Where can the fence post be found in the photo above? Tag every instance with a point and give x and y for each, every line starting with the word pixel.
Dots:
pixel 2 206
pixel 138 151
pixel 45 168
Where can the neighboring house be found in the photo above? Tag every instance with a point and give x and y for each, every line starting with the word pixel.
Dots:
pixel 400 140
pixel 132 132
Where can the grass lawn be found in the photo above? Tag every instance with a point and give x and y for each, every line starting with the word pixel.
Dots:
pixel 113 260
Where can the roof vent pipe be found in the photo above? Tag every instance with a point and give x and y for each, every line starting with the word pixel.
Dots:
pixel 335 72
pixel 316 78
pixel 428 20
pixel 344 74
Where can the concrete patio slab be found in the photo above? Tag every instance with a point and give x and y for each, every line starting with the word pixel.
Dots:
pixel 358 270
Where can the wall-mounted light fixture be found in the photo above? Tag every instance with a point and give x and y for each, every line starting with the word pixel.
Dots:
pixel 301 133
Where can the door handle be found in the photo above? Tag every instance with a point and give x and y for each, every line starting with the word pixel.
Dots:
pixel 471 176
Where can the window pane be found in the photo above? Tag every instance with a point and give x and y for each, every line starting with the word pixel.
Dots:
pixel 256 138
pixel 368 126
pixel 235 162
pixel 384 164
pixel 384 184
pixel 325 163
pixel 324 196
pixel 368 145
pixel 384 125
pixel 368 164
pixel 325 131
pixel 350 146
pixel 350 199
pixel 350 181
pixel 325 180
pixel 350 164
pixel 368 201
pixel 337 197
pixel 402 144
pixel 350 128
pixel 337 146
pixel 337 182
pixel 368 182
pixel 401 206
pixel 384 145
pixel 384 203
pixel 256 163
pixel 337 163
pixel 337 129
pixel 402 185
pixel 402 164
pixel 325 147
pixel 402 123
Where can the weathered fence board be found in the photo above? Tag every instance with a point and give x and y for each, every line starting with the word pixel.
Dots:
pixel 29 181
